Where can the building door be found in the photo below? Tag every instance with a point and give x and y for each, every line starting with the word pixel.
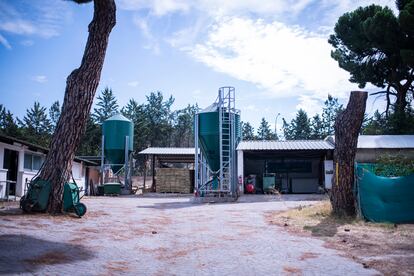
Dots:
pixel 11 163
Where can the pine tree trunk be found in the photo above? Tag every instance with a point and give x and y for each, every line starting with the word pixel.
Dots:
pixel 401 103
pixel 81 86
pixel 347 127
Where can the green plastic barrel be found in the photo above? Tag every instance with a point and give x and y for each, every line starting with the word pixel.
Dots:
pixel 116 129
pixel 269 182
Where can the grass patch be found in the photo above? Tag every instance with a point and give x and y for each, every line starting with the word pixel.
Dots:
pixel 387 247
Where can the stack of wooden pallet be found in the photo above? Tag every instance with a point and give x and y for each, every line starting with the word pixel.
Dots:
pixel 174 180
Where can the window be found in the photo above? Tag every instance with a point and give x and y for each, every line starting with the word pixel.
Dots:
pixel 28 161
pixel 37 162
pixel 32 162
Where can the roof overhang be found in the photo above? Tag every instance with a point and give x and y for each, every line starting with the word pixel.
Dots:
pixel 285 146
pixel 171 155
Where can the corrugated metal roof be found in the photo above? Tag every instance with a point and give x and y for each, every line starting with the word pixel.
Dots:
pixel 385 141
pixel 286 145
pixel 168 151
pixel 382 141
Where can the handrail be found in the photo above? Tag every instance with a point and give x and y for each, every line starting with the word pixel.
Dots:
pixel 8 182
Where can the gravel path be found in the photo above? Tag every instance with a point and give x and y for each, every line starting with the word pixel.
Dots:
pixel 157 235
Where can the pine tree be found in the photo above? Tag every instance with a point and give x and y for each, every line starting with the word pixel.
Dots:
pixel 329 112
pixel 131 110
pixel 107 106
pixel 183 127
pixel 287 130
pixel 159 119
pixel 299 128
pixel 136 113
pixel 317 127
pixel 36 126
pixel 247 131
pixel 54 114
pixel 8 125
pixel 264 132
pixel 90 143
pixel 302 126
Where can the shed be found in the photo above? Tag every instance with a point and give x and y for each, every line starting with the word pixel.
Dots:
pixel 372 147
pixel 294 166
pixel 160 156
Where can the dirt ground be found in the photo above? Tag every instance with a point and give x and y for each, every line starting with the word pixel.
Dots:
pixel 167 235
pixel 388 248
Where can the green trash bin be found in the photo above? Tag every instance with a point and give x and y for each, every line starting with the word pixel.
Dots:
pixel 269 182
pixel 101 190
pixel 112 188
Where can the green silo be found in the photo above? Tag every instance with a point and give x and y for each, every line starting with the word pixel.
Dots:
pixel 217 135
pixel 209 136
pixel 115 130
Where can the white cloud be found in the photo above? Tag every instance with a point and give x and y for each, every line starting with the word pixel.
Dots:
pixel 326 11
pixel 27 42
pixel 40 20
pixel 286 61
pixel 5 42
pixel 39 78
pixel 188 36
pixel 157 7
pixel 17 27
pixel 133 83
pixel 310 104
pixel 152 42
pixel 218 7
pixel 251 107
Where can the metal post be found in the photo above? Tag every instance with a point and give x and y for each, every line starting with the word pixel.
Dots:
pixel 145 173
pixel 153 188
pixel 220 107
pixel 196 169
pixel 102 159
pixel 127 184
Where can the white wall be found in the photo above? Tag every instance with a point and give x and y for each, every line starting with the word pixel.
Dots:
pixel 3 176
pixel 22 176
pixel 78 169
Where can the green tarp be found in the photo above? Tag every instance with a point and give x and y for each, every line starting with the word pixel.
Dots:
pixel 384 199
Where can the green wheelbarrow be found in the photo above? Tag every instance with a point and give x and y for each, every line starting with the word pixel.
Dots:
pixel 37 196
pixel 71 199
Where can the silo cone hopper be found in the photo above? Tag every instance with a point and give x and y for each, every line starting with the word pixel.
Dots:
pixel 217 133
pixel 117 144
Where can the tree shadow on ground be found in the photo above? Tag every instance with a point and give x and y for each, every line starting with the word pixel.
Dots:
pixel 26 254
pixel 328 227
pixel 17 212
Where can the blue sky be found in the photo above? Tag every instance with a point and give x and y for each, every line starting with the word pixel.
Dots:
pixel 274 52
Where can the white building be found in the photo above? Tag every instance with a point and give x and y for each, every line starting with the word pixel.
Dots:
pixel 20 161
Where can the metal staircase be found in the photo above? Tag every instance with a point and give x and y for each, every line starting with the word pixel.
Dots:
pixel 226 103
